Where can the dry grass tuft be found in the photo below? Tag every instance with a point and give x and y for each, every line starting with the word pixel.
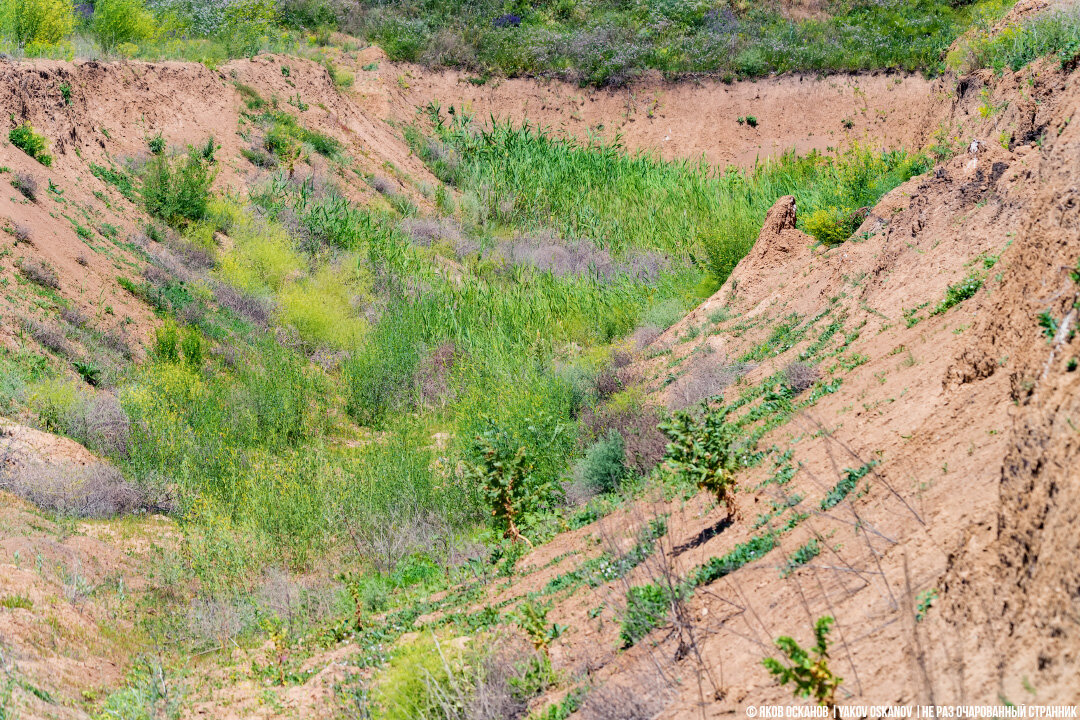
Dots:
pixel 701 383
pixel 22 234
pixel 47 335
pixel 26 184
pixel 90 491
pixel 641 697
pixel 39 272
pixel 800 376
pixel 73 316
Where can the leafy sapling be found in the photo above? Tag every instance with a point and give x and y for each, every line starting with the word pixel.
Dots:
pixel 808 670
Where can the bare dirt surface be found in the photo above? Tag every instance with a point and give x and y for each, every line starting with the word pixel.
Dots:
pixel 691 119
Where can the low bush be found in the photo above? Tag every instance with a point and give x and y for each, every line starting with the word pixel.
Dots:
pixel 177 190
pixel 807 670
pixel 47 335
pixel 117 178
pixel 958 293
pixel 22 234
pixel 73 316
pixel 321 306
pixel 39 272
pixel 827 226
pixel 97 490
pixel 845 485
pixel 31 143
pixel 646 607
pixel 35 25
pixel 504 467
pixel 800 376
pixel 642 696
pixel 603 467
pixel 26 184
pixel 434 678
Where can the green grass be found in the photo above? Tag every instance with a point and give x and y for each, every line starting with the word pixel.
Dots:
pixel 608 42
pixel 623 202
pixel 958 293
pixel 845 485
pixel 1054 33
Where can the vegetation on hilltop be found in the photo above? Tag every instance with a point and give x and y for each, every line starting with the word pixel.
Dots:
pixel 589 41
pixel 602 42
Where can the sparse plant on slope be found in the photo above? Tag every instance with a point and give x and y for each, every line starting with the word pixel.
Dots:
pixel 24 138
pixel 531 617
pixel 603 467
pixel 956 294
pixel 807 670
pixel 27 185
pixel 704 452
pixel 646 607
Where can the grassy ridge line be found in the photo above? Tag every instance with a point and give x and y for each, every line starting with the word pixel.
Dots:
pixel 606 42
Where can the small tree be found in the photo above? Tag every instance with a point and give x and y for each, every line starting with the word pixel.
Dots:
pixel 506 472
pixel 811 675
pixel 703 451
pixel 121 21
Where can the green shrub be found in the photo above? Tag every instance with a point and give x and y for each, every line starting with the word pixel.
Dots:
pixel 958 293
pixel 286 133
pixel 410 686
pixel 827 226
pixel 167 342
pixel 191 347
pixel 646 607
pixel 156 143
pixel 705 452
pixel 845 485
pixel 531 617
pixel 177 190
pixel 320 306
pixel 246 25
pixel 753 549
pixel 121 21
pixel 603 466
pixel 117 178
pixel 505 468
pixel 802 555
pixel 37 23
pixel 809 670
pixel 24 138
